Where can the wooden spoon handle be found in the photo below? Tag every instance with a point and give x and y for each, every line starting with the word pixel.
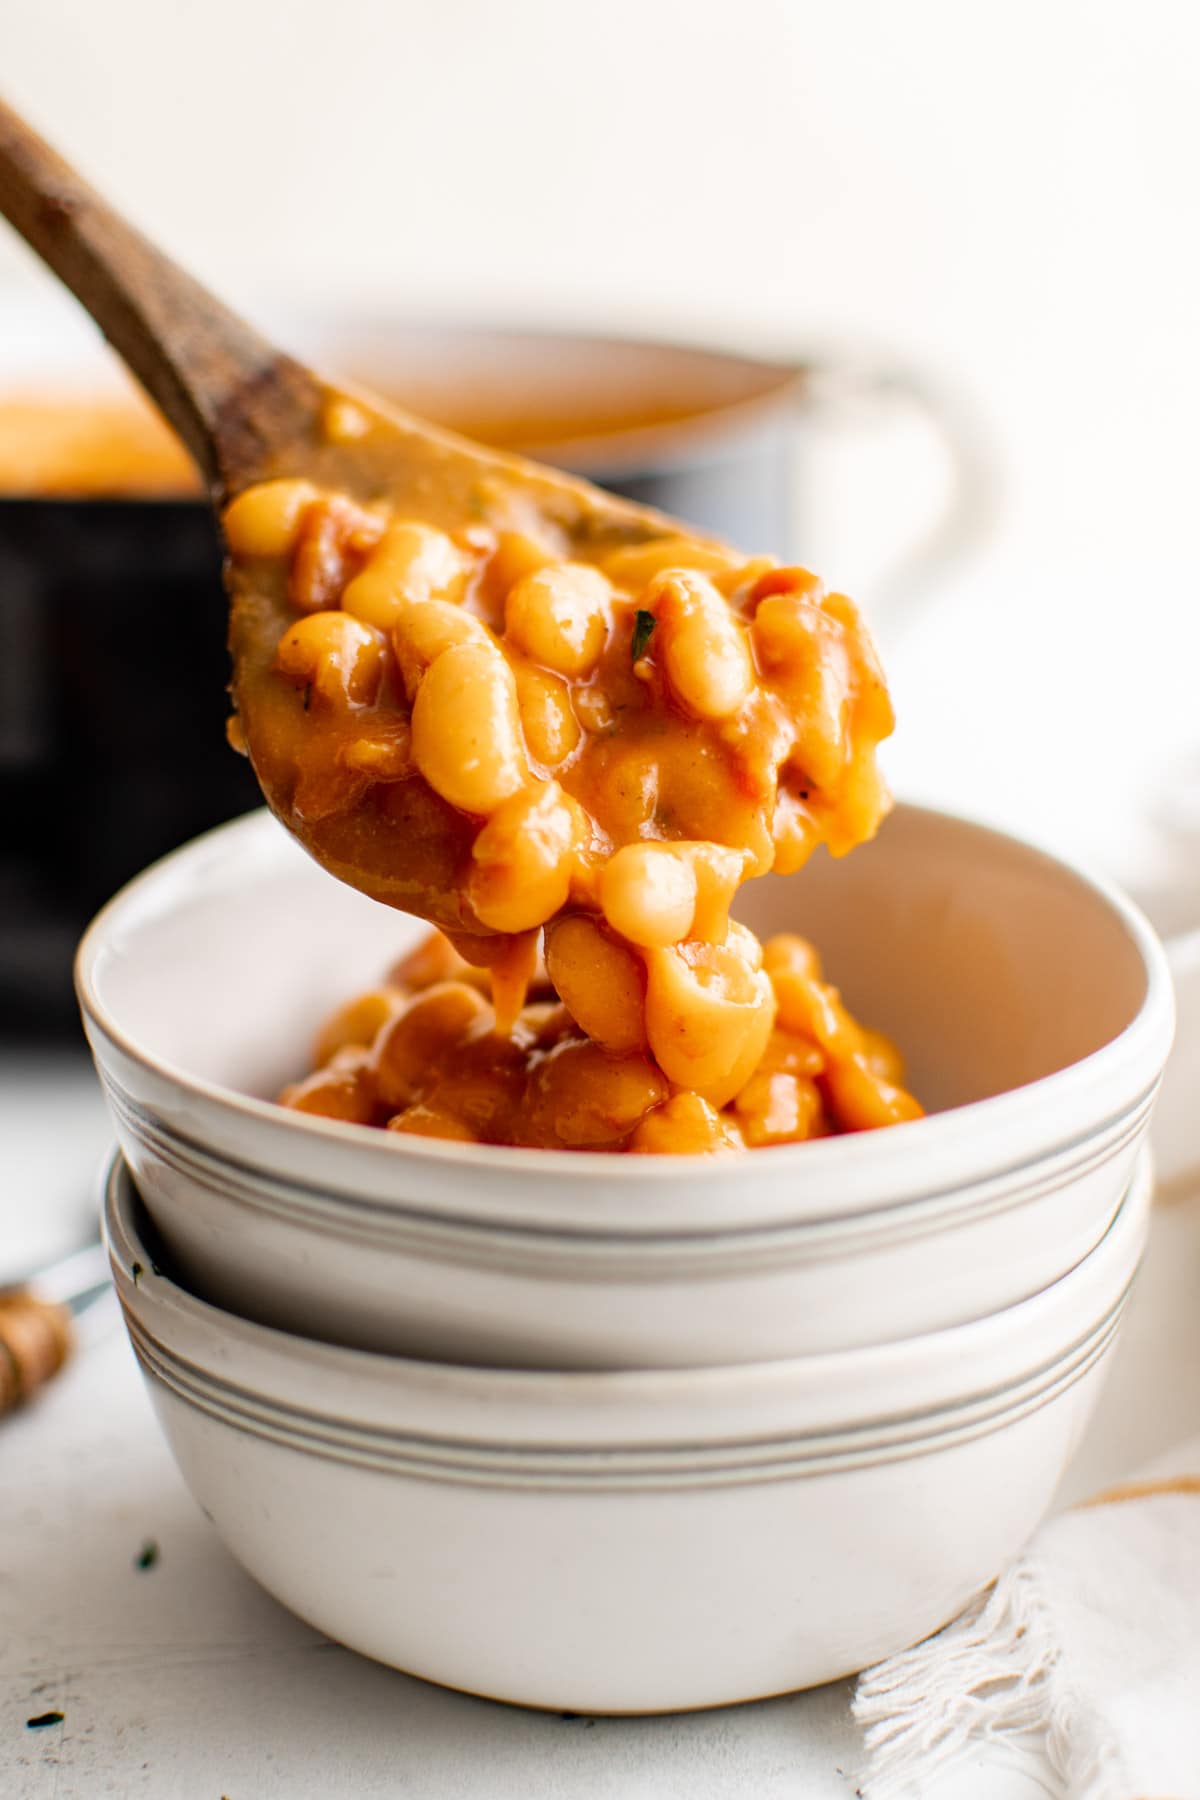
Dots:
pixel 35 1341
pixel 233 398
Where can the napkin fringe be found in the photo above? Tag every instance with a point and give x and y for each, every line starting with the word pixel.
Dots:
pixel 993 1675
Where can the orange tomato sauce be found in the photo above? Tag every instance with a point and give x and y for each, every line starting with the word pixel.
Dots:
pixel 571 743
pixel 421 1054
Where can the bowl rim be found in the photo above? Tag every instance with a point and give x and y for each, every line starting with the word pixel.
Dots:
pixel 1053 1114
pixel 474 1227
pixel 866 1388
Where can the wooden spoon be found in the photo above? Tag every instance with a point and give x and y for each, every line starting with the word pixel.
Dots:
pixel 245 410
pixel 246 413
pixel 35 1342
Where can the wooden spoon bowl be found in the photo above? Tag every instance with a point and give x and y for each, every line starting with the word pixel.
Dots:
pixel 249 413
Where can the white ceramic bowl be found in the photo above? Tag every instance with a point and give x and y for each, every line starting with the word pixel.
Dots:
pixel 626 1541
pixel 1033 1004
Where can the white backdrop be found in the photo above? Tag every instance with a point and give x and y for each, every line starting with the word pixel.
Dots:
pixel 1005 194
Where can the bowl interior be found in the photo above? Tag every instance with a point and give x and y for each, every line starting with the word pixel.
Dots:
pixel 991 964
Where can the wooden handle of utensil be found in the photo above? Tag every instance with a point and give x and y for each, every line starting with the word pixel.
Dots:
pixel 35 1340
pixel 233 398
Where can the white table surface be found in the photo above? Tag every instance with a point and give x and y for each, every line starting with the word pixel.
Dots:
pixel 185 1681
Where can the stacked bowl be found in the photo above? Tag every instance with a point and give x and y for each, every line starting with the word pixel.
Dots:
pixel 632 1434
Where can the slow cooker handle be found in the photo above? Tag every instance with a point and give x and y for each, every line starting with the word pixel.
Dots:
pixel 1176 1127
pixel 837 386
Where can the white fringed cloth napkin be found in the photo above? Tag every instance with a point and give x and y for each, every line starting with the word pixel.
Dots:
pixel 1088 1647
